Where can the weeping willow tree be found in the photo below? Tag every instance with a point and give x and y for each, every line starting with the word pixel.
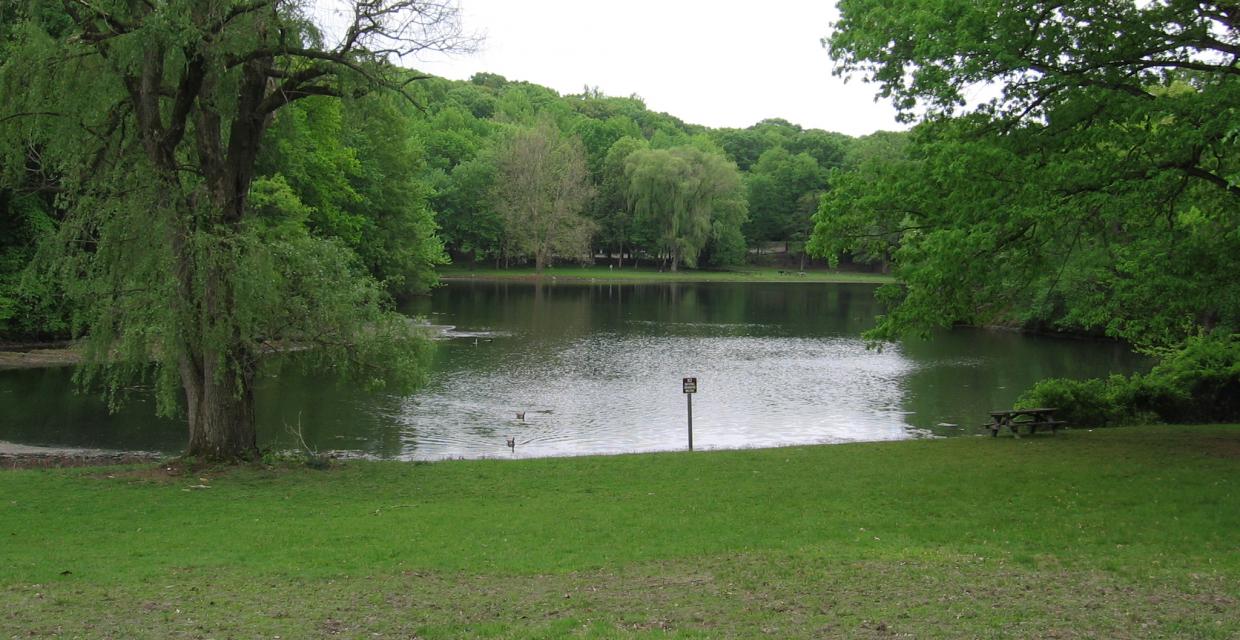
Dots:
pixel 146 119
pixel 686 197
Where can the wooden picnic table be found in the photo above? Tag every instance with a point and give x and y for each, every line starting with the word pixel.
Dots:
pixel 1017 418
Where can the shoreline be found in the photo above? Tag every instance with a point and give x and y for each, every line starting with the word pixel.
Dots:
pixel 21 456
pixel 629 275
pixel 38 356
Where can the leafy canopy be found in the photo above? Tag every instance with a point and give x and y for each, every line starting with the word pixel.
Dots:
pixel 1097 189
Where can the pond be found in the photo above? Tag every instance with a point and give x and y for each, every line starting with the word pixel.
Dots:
pixel 597 368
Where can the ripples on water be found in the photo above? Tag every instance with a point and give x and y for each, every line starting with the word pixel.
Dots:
pixel 597 369
pixel 610 393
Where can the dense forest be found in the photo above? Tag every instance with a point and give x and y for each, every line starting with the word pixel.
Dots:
pixel 459 173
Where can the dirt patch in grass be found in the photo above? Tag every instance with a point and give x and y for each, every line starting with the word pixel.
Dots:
pixel 173 470
pixel 757 595
pixel 1222 447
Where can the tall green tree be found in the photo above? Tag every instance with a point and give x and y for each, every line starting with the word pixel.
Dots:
pixel 27 218
pixel 398 241
pixel 1100 187
pixel 154 115
pixel 781 190
pixel 680 194
pixel 610 207
pixel 357 166
pixel 542 188
pixel 467 209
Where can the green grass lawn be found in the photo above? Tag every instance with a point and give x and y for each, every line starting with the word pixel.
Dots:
pixel 628 274
pixel 1120 533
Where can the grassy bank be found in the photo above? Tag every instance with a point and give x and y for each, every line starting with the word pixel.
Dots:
pixel 1116 533
pixel 628 274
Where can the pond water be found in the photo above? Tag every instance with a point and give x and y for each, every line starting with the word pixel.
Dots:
pixel 598 368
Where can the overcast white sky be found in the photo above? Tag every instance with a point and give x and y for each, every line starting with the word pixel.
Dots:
pixel 721 64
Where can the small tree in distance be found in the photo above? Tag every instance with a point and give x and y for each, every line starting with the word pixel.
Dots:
pixel 543 186
pixel 686 197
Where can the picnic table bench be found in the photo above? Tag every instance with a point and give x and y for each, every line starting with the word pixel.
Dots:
pixel 1017 418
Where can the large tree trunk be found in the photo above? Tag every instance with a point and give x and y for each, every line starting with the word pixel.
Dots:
pixel 218 380
pixel 221 416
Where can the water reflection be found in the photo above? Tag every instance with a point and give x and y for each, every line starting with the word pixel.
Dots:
pixel 596 368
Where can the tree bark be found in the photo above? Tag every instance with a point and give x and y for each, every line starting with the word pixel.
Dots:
pixel 219 380
pixel 220 408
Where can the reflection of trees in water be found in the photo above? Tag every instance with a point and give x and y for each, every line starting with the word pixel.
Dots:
pixel 574 307
pixel 962 374
pixel 44 407
pixel 329 414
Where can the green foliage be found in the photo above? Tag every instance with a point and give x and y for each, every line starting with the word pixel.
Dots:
pixel 399 243
pixel 610 208
pixel 1207 371
pixel 685 197
pixel 1083 403
pixel 1199 383
pixel 465 205
pixel 1095 192
pixel 599 136
pixel 782 189
pixel 28 305
pixel 606 274
pixel 359 168
pixel 726 244
pixel 149 121
pixel 541 189
pixel 472 119
pixel 477 101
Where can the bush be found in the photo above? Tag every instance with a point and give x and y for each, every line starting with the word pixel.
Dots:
pixel 1207 372
pixel 1093 402
pixel 1199 383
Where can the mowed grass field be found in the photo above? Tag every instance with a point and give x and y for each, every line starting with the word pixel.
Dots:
pixel 1119 533
pixel 647 274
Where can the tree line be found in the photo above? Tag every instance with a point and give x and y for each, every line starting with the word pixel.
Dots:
pixel 484 171
pixel 654 188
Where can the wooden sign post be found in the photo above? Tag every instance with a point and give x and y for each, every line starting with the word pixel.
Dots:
pixel 689 386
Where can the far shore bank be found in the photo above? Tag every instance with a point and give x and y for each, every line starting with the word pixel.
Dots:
pixel 39 355
pixel 627 275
